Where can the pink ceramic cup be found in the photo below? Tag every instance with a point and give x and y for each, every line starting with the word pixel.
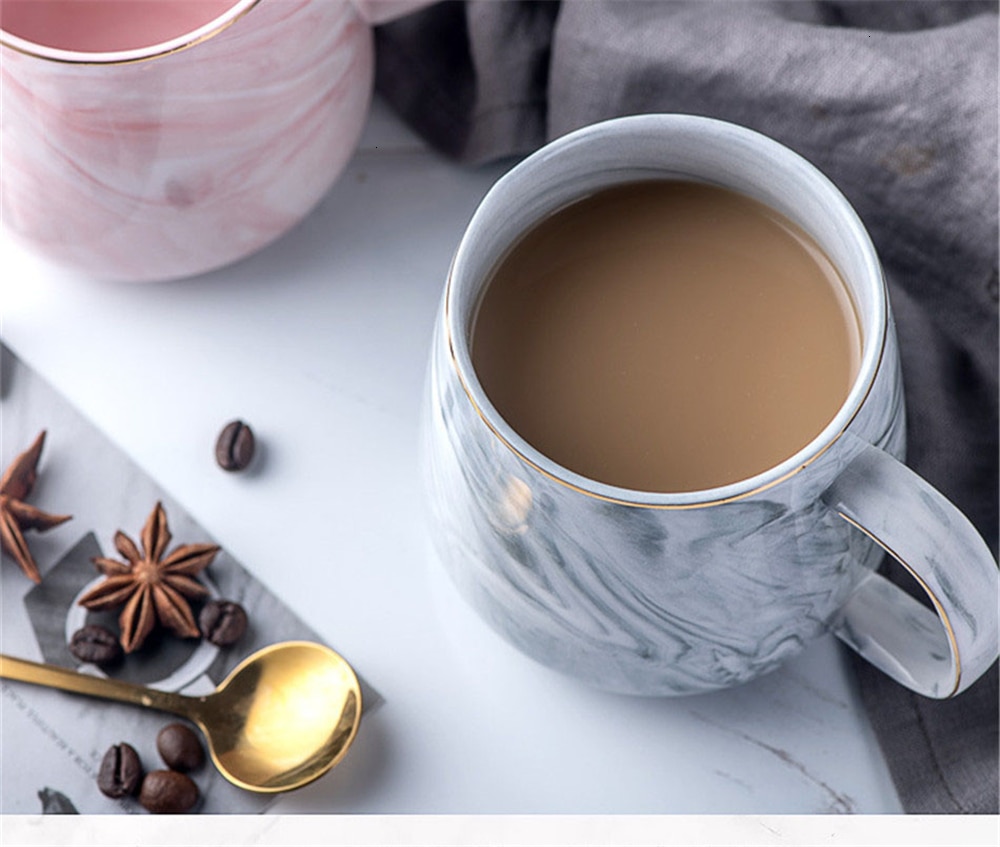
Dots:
pixel 134 151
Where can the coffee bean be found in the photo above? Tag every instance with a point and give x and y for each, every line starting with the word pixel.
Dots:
pixel 222 622
pixel 180 747
pixel 168 793
pixel 120 771
pixel 96 644
pixel 235 446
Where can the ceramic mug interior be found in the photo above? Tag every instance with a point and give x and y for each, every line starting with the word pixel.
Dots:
pixel 657 147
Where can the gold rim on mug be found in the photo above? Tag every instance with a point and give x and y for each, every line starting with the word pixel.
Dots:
pixel 138 54
pixel 805 177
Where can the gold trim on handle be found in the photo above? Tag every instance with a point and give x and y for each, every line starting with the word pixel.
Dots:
pixel 938 605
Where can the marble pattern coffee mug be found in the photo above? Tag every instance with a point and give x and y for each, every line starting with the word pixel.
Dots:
pixel 146 161
pixel 668 594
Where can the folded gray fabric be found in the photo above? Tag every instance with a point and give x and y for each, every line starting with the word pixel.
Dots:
pixel 894 101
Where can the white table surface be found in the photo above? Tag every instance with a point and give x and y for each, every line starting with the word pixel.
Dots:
pixel 320 342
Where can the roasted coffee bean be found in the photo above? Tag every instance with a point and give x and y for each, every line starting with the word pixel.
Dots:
pixel 234 448
pixel 168 793
pixel 222 622
pixel 180 747
pixel 120 772
pixel 96 644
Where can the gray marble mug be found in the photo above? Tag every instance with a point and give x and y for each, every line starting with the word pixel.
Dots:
pixel 668 594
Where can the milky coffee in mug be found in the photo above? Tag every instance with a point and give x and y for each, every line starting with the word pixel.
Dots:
pixel 667 336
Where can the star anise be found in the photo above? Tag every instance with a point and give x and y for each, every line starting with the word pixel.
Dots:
pixel 16 516
pixel 153 588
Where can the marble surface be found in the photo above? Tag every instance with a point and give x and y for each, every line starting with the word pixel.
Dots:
pixel 320 342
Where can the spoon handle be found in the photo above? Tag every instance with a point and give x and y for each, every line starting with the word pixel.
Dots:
pixel 53 676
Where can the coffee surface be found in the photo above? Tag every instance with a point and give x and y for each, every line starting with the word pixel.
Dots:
pixel 666 336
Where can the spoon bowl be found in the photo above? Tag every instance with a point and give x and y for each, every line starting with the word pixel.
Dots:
pixel 282 718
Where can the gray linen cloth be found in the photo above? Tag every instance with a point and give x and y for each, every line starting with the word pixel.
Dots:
pixel 897 103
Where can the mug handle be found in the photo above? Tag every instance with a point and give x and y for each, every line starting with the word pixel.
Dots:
pixel 937 655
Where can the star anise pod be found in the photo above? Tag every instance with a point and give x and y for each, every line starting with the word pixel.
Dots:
pixel 16 516
pixel 152 588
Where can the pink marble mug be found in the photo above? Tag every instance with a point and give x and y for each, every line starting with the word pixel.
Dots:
pixel 158 139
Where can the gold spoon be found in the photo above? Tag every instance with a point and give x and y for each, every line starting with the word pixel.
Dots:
pixel 281 719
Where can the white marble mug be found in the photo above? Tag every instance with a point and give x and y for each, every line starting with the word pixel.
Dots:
pixel 158 139
pixel 669 594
